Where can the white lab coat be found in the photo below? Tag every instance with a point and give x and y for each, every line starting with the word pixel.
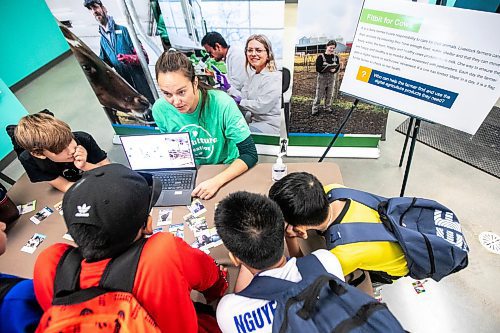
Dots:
pixel 261 96
pixel 236 74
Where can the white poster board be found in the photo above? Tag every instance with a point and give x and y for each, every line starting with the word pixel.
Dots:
pixel 434 62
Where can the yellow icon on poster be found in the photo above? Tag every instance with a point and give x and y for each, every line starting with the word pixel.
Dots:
pixel 364 73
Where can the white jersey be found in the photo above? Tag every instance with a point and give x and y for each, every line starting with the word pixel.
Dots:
pixel 238 314
pixel 236 74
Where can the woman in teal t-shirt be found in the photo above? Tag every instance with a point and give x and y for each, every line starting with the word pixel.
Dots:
pixel 218 131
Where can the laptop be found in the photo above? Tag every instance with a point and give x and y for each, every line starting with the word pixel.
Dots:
pixel 169 158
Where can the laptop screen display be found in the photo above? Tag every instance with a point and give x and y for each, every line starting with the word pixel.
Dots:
pixel 158 151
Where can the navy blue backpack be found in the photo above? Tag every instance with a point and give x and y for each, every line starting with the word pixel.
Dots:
pixel 428 232
pixel 321 303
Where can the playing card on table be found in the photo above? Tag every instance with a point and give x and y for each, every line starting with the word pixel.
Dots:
pixel 67 236
pixel 197 224
pixel 188 218
pixel 206 239
pixel 177 229
pixel 157 230
pixel 164 217
pixel 214 238
pixel 58 207
pixel 41 215
pixel 27 207
pixel 196 208
pixel 33 243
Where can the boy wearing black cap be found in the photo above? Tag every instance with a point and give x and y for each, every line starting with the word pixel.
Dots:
pixel 106 212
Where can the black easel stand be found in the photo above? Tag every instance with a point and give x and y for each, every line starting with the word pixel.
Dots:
pixel 410 155
pixel 339 130
pixel 7 179
pixel 408 131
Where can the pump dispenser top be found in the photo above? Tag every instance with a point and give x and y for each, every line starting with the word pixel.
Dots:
pixel 279 168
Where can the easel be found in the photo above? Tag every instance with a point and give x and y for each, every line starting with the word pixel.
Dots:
pixel 416 128
pixel 7 179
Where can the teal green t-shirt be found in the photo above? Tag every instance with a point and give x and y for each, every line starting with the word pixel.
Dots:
pixel 214 136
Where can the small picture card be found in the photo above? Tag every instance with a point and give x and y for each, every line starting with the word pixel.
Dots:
pixel 206 239
pixel 196 208
pixel 188 218
pixel 177 229
pixel 67 236
pixel 196 245
pixel 164 217
pixel 419 286
pixel 33 243
pixel 215 239
pixel 58 207
pixel 27 207
pixel 198 224
pixel 41 215
pixel 157 230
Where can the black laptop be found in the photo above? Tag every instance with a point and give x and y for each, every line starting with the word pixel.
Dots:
pixel 169 158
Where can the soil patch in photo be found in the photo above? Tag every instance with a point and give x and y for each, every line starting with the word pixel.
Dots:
pixel 366 118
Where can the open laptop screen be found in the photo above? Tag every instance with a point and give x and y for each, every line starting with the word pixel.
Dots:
pixel 158 151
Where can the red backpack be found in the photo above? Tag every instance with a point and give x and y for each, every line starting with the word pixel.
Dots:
pixel 109 307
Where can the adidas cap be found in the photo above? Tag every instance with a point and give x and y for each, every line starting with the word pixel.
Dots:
pixel 113 198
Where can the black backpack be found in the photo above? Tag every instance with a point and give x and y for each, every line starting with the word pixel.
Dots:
pixel 321 302
pixel 428 232
pixel 109 307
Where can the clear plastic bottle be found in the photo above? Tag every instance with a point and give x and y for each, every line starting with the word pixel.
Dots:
pixel 279 168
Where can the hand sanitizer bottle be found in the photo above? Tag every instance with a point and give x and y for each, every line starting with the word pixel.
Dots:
pixel 279 168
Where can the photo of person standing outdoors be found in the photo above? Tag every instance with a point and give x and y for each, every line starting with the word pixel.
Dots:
pixel 327 65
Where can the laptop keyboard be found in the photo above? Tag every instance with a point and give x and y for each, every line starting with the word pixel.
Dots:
pixel 175 181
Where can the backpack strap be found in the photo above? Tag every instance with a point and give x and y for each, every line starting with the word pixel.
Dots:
pixel 360 317
pixel 266 288
pixel 68 269
pixel 367 199
pixel 310 266
pixel 269 288
pixel 120 272
pixel 356 232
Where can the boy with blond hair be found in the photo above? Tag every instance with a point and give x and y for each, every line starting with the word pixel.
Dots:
pixel 53 153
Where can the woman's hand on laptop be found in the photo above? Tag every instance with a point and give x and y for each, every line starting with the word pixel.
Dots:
pixel 207 189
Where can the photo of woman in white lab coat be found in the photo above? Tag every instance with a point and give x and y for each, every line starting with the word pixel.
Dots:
pixel 261 93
